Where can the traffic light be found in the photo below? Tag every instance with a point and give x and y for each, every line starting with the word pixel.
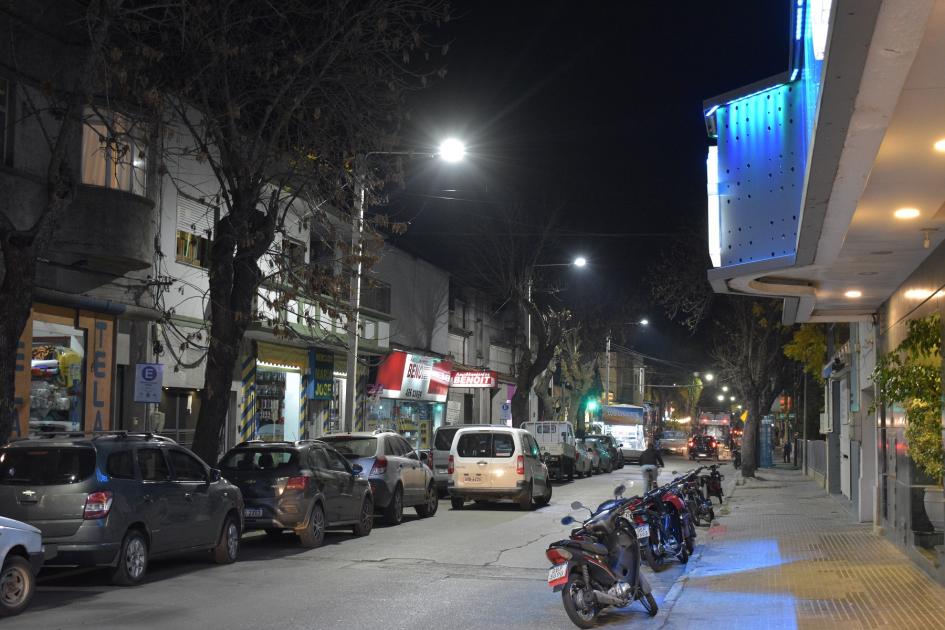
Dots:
pixel 592 405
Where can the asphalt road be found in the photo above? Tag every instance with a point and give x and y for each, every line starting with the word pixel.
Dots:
pixel 481 567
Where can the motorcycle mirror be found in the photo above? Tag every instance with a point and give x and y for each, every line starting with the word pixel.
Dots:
pixel 577 505
pixel 567 520
pixel 675 472
pixel 619 490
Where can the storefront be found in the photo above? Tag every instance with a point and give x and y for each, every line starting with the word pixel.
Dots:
pixel 288 393
pixel 65 367
pixel 409 397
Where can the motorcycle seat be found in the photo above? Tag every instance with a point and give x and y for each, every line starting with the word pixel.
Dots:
pixel 590 547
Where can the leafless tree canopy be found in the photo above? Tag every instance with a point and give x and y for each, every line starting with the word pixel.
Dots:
pixel 678 281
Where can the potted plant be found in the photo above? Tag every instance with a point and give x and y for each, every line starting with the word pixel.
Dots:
pixel 911 375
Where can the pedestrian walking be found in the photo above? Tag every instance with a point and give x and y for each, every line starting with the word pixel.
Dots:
pixel 787 452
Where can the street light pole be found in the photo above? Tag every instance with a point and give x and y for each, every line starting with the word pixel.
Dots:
pixel 451 150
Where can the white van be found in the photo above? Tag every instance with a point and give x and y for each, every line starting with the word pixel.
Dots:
pixel 490 463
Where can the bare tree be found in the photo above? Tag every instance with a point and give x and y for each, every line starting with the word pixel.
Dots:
pixel 503 264
pixel 278 99
pixel 579 366
pixel 748 349
pixel 56 106
pixel 678 282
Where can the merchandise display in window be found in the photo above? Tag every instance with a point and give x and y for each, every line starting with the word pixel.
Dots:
pixel 270 405
pixel 57 385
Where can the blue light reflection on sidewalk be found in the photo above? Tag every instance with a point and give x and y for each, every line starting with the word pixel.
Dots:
pixel 737 556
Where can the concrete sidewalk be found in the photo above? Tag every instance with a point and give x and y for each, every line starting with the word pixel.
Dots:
pixel 784 555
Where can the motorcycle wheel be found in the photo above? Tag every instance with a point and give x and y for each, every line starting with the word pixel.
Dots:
pixel 711 514
pixel 683 554
pixel 652 559
pixel 696 520
pixel 690 545
pixel 649 603
pixel 579 612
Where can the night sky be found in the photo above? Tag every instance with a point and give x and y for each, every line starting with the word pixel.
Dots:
pixel 593 110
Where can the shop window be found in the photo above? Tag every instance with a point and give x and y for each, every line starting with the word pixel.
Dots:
pixel 57 373
pixel 7 116
pixel 114 153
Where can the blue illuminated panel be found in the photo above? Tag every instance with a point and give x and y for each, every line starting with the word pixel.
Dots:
pixel 763 150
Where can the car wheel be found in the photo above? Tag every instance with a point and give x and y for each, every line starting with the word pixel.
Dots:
pixel 571 470
pixel 456 503
pixel 314 534
pixel 525 501
pixel 365 519
pixel 428 509
pixel 17 584
pixel 394 512
pixel 545 500
pixel 228 547
pixel 132 560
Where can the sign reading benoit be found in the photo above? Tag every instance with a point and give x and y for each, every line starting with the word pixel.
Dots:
pixel 474 378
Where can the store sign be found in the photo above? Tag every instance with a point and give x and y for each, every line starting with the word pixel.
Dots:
pixel 323 365
pixel 149 377
pixel 474 378
pixel 414 377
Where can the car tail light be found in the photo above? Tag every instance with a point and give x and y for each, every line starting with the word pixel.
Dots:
pixel 297 483
pixel 97 505
pixel 557 555
pixel 380 466
pixel 520 465
pixel 449 466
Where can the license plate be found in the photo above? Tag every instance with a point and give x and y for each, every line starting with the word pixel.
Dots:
pixel 470 479
pixel 252 512
pixel 558 573
pixel 643 531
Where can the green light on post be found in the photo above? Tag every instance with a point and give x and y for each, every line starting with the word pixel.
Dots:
pixel 592 405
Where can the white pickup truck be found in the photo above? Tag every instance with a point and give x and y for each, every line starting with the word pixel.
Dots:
pixel 556 440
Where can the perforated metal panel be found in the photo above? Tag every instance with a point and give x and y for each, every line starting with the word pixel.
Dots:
pixel 763 147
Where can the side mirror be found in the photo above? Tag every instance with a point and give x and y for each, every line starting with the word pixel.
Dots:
pixel 577 505
pixel 215 475
pixel 619 490
pixel 567 520
pixel 356 469
pixel 413 455
pixel 675 472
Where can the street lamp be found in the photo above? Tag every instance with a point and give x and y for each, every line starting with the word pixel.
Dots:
pixel 724 388
pixel 451 150
pixel 731 398
pixel 643 322
pixel 709 377
pixel 720 397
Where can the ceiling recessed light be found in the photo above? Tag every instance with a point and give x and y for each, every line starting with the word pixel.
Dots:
pixel 906 213
pixel 940 145
pixel 853 293
pixel 868 273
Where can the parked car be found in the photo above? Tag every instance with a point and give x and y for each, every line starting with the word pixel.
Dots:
pixel 583 463
pixel 556 441
pixel 21 556
pixel 606 461
pixel 592 455
pixel 613 446
pixel 119 500
pixel 304 486
pixel 703 447
pixel 492 463
pixel 397 475
pixel 442 441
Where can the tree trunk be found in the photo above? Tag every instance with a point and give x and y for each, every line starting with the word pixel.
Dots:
pixel 541 390
pixel 19 261
pixel 520 403
pixel 234 278
pixel 750 438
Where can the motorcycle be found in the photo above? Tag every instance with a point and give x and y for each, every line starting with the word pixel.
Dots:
pixel 736 458
pixel 700 506
pixel 598 566
pixel 713 483
pixel 671 531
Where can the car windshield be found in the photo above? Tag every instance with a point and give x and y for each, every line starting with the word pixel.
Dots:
pixel 46 466
pixel 353 447
pixel 444 438
pixel 485 445
pixel 256 459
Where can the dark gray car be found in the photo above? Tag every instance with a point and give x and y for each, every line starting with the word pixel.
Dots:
pixel 117 500
pixel 304 486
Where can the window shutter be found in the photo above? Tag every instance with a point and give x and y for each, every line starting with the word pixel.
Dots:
pixel 194 217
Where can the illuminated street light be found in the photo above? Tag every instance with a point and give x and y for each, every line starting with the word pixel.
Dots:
pixel 724 388
pixel 709 377
pixel 452 150
pixel 721 397
pixel 580 261
pixel 731 398
pixel 644 322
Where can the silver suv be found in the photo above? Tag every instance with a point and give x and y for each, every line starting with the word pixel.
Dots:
pixel 398 476
pixel 118 500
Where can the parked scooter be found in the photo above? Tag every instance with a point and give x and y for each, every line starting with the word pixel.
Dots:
pixel 671 531
pixel 713 483
pixel 599 565
pixel 700 506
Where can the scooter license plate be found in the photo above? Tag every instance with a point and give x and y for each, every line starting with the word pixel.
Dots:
pixel 643 531
pixel 558 574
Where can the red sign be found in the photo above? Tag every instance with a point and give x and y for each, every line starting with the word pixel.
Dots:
pixel 414 377
pixel 474 378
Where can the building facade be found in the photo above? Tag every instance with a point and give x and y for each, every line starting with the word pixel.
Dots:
pixel 825 189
